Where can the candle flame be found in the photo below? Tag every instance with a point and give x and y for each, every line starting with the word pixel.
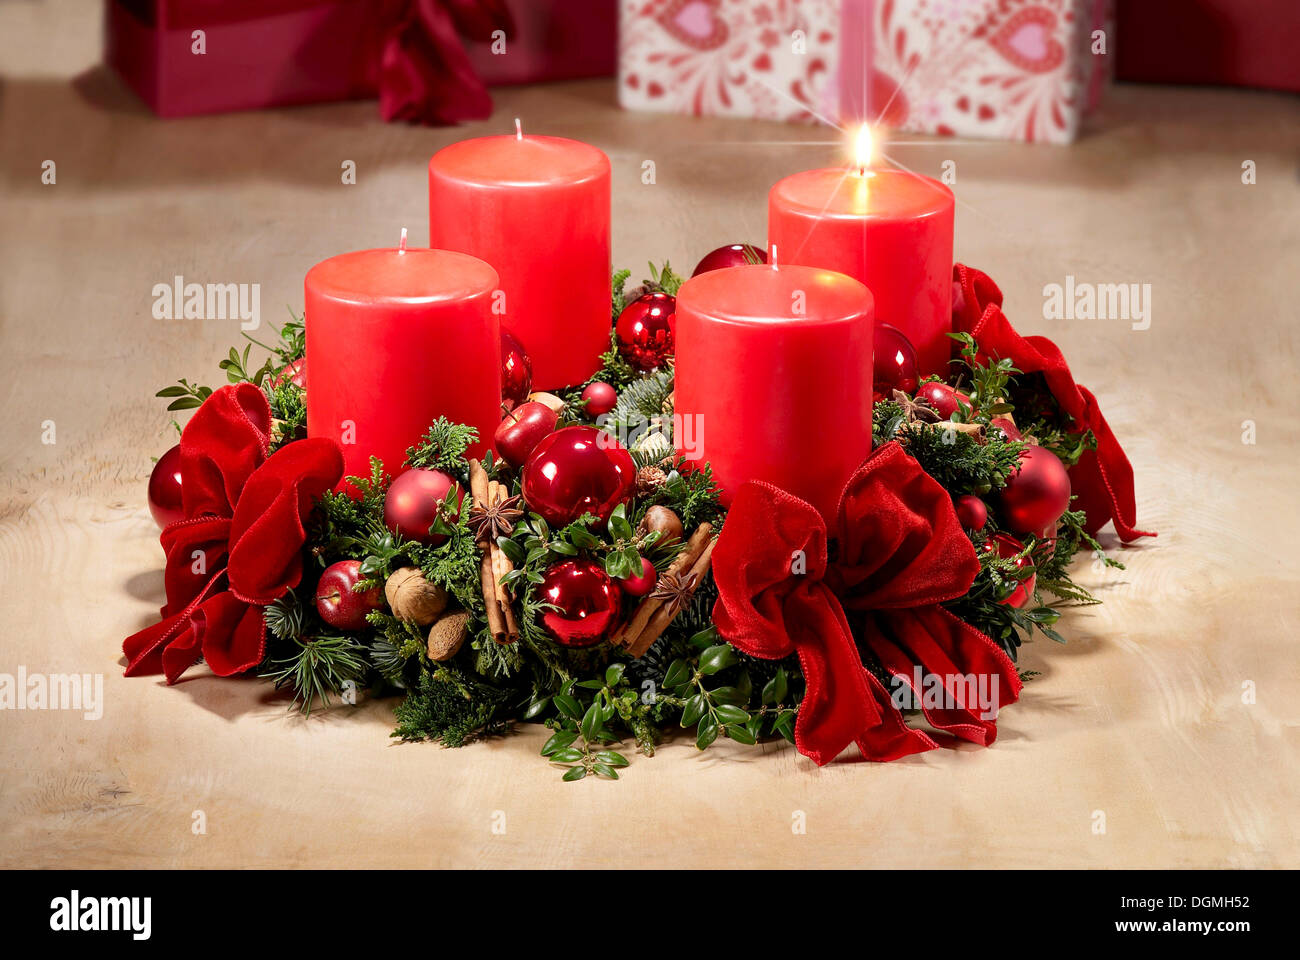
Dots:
pixel 862 146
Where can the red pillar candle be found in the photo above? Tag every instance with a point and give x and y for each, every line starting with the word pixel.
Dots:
pixel 773 378
pixel 395 339
pixel 538 210
pixel 890 229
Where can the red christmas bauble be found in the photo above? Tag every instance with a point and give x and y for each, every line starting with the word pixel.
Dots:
pixel 894 363
pixel 600 397
pixel 589 603
pixel 732 255
pixel 943 398
pixel 639 584
pixel 1008 428
pixel 972 512
pixel 415 499
pixel 644 331
pixel 165 501
pixel 1008 546
pixel 516 370
pixel 578 470
pixel 1037 493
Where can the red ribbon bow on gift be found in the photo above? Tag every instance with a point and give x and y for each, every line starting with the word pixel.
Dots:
pixel 425 75
pixel 239 546
pixel 901 552
pixel 1103 478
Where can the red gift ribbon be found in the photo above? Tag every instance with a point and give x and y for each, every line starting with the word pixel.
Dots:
pixel 1103 479
pixel 239 546
pixel 901 553
pixel 424 72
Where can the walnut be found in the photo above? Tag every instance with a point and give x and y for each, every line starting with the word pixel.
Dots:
pixel 411 597
pixel 447 635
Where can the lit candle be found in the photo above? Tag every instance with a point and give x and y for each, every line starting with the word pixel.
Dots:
pixel 890 229
pixel 773 378
pixel 538 210
pixel 395 339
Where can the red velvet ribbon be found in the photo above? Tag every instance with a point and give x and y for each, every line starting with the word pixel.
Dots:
pixel 1102 479
pixel 424 73
pixel 239 546
pixel 901 553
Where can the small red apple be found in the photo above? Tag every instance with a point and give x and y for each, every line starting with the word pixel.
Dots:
pixel 338 603
pixel 414 501
pixel 638 585
pixel 942 397
pixel 522 429
pixel 294 372
pixel 600 398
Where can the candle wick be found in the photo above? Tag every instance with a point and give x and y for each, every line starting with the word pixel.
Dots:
pixel 401 244
pixel 772 257
pixel 519 129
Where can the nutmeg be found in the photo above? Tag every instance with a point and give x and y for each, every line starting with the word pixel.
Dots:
pixel 447 635
pixel 411 597
pixel 665 521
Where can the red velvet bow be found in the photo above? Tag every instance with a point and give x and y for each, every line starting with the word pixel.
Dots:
pixel 1103 478
pixel 901 553
pixel 425 75
pixel 240 544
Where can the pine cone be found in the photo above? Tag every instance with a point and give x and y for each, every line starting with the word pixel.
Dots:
pixel 649 479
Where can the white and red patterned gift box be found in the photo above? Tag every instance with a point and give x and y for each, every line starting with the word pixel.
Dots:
pixel 1005 69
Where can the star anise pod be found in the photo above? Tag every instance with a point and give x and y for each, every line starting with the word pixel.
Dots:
pixel 916 410
pixel 677 589
pixel 496 520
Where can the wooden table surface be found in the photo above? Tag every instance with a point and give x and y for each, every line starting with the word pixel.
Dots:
pixel 1172 717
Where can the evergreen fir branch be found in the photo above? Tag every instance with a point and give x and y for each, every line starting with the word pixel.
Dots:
pixel 619 289
pixel 443 447
pixel 317 667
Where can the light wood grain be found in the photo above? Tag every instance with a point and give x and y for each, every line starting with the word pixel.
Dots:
pixel 1140 715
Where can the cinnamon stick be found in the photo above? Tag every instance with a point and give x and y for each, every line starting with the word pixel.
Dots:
pixel 501 565
pixel 641 616
pixel 665 614
pixel 478 485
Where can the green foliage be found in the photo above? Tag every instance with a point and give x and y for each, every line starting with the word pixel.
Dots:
pixel 443 447
pixel 316 667
pixel 451 707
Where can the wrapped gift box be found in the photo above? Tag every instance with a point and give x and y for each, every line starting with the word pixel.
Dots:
pixel 1248 43
pixel 266 53
pixel 1007 69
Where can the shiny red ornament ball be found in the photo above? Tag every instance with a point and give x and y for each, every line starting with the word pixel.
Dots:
pixel 1008 428
pixel 578 470
pixel 600 398
pixel 732 255
pixel 943 398
pixel 414 501
pixel 894 363
pixel 1008 546
pixel 641 583
pixel 588 601
pixel 516 370
pixel 972 512
pixel 1037 494
pixel 645 330
pixel 165 501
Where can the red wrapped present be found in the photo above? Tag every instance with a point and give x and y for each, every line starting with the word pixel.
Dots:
pixel 1247 43
pixel 427 60
pixel 1006 69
